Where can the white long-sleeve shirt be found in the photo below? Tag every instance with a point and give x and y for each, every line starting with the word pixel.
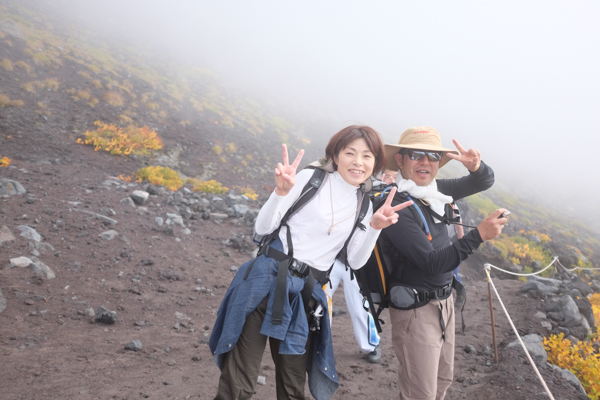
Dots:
pixel 310 225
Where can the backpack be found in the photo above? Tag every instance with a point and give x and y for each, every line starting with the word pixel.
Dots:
pixel 374 277
pixel 312 187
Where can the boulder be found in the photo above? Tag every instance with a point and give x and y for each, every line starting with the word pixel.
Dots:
pixel 108 235
pixel 29 233
pixel 569 377
pixel 536 285
pixel 10 187
pixel 20 262
pixel 6 235
pixel 106 316
pixel 41 269
pixel 534 345
pixel 139 196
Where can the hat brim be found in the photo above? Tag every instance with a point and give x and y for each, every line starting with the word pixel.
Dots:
pixel 391 149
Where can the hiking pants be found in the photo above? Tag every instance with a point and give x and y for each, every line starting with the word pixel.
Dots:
pixel 243 361
pixel 354 302
pixel 426 362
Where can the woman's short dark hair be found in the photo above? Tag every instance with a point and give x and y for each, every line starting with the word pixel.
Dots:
pixel 343 138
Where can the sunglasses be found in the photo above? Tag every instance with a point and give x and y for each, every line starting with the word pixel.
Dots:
pixel 417 155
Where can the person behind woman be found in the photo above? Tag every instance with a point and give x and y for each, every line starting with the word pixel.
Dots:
pixel 318 232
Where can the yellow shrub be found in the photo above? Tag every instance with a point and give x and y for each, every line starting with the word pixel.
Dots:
pixel 223 159
pixel 122 141
pixel 84 74
pixel 5 101
pixel 125 119
pixel 579 358
pixel 94 102
pixel 113 98
pixel 6 64
pixel 51 84
pixel 23 65
pixel 5 161
pixel 160 176
pixel 211 186
pixel 97 84
pixel 595 302
pixel 125 178
pixel 217 149
pixel 83 94
pixel 231 148
pixel 249 193
pixel 152 106
pixel 185 122
pixel 28 87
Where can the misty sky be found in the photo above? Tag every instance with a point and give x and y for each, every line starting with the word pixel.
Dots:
pixel 520 80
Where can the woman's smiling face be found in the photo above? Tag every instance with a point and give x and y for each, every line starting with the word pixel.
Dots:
pixel 355 162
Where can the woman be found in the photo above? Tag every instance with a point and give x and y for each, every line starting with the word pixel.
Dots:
pixel 317 232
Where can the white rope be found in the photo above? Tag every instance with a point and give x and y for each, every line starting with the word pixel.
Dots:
pixel 514 273
pixel 487 271
pixel 571 270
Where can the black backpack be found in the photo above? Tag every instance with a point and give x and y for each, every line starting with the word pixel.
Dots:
pixel 373 278
pixel 312 187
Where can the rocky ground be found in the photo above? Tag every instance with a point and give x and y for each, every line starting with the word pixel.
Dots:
pixel 164 284
pixel 108 295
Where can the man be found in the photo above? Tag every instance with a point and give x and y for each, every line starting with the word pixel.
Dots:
pixel 424 346
pixel 388 176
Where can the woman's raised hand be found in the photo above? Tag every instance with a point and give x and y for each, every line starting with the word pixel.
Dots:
pixel 386 215
pixel 285 174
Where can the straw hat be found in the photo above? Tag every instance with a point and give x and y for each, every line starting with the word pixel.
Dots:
pixel 419 138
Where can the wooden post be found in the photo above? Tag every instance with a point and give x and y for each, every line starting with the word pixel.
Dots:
pixel 493 323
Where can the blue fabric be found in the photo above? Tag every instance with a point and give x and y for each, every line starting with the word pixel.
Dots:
pixel 242 298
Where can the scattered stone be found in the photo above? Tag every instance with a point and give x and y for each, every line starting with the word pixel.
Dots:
pixel 10 187
pixel 29 233
pixel 108 235
pixel 171 275
pixel 135 345
pixel 533 344
pixel 175 219
pixel 41 269
pixel 569 376
pixel 337 311
pixel 182 316
pixel 470 349
pixel 39 247
pixel 262 380
pixel 106 316
pixel 89 312
pixel 139 196
pixel 218 217
pixel 20 262
pixel 98 216
pixel 127 201
pixel 187 231
pixel 233 268
pixel 2 302
pixel 159 221
pixel 6 235
pixel 140 323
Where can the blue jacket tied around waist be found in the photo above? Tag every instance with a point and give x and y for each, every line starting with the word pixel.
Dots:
pixel 242 298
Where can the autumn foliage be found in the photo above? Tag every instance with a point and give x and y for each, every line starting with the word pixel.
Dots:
pixel 5 161
pixel 131 140
pixel 160 176
pixel 579 358
pixel 211 186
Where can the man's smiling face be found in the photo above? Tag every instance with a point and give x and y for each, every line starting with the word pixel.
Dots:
pixel 421 172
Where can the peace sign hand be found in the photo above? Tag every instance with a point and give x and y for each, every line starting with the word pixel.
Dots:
pixel 285 174
pixel 386 215
pixel 470 158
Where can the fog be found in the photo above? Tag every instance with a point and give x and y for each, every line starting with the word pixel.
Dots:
pixel 519 80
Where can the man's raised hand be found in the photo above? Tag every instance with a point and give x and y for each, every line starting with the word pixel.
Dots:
pixel 285 174
pixel 386 215
pixel 470 158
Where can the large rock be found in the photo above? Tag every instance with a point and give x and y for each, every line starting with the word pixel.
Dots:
pixel 106 316
pixel 6 235
pixel 539 286
pixel 139 196
pixel 10 187
pixel 29 233
pixel 568 376
pixel 534 345
pixel 41 269
pixel 20 262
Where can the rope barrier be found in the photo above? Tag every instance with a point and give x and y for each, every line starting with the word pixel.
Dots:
pixel 514 273
pixel 583 269
pixel 487 268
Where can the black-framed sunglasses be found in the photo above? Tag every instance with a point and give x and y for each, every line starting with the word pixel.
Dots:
pixel 417 155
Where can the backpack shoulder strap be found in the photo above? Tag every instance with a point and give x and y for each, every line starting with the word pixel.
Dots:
pixel 364 208
pixel 417 213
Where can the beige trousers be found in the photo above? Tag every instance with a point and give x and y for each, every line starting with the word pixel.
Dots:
pixel 426 362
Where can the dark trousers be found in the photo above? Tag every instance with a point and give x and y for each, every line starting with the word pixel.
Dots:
pixel 242 363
